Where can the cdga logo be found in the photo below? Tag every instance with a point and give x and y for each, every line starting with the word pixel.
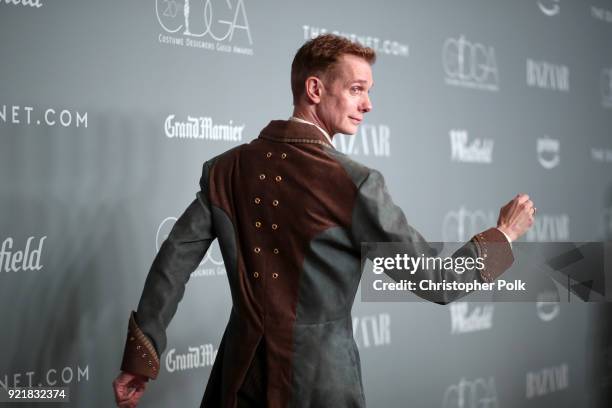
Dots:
pixel 471 65
pixel 199 21
pixel 461 225
pixel 478 393
pixel 212 263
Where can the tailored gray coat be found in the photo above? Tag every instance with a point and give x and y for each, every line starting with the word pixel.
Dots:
pixel 290 213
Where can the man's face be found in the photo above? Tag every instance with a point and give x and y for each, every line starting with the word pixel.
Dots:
pixel 345 99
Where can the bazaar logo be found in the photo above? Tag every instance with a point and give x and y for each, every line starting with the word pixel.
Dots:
pixel 547 381
pixel 370 141
pixel 549 228
pixel 545 75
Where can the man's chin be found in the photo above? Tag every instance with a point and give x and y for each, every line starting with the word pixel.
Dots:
pixel 350 130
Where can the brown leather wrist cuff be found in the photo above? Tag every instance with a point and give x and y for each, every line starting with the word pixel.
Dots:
pixel 139 356
pixel 495 249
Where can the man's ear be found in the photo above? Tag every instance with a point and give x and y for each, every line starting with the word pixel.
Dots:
pixel 314 89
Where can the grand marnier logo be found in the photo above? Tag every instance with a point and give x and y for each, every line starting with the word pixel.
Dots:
pixel 196 357
pixel 212 263
pixel 203 128
pixel 212 25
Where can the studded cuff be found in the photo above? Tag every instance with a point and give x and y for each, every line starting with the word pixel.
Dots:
pixel 139 356
pixel 495 249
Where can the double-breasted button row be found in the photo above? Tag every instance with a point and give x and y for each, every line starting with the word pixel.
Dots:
pixel 258 224
pixel 282 156
pixel 256 275
pixel 258 200
pixel 258 250
pixel 262 176
pixel 275 203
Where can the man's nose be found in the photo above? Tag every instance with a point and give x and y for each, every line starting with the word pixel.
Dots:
pixel 366 105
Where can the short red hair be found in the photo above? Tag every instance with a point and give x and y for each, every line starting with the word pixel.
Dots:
pixel 318 56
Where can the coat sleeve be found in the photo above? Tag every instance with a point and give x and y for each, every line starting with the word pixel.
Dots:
pixel 377 219
pixel 178 257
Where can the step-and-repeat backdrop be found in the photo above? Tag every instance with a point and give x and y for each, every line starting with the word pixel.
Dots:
pixel 109 108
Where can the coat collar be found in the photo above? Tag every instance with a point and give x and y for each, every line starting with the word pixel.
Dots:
pixel 290 131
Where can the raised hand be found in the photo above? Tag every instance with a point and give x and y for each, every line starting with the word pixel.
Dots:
pixel 516 217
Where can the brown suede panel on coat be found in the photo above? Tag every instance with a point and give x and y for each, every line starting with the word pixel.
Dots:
pixel 278 196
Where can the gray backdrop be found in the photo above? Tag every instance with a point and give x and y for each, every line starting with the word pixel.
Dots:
pixel 108 110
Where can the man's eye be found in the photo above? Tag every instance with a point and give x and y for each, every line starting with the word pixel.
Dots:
pixel 355 89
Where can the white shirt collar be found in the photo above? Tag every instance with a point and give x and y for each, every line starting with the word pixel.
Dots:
pixel 293 118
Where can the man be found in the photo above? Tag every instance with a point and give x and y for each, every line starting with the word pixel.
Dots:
pixel 290 213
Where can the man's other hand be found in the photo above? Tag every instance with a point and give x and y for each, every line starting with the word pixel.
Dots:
pixel 128 389
pixel 516 217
